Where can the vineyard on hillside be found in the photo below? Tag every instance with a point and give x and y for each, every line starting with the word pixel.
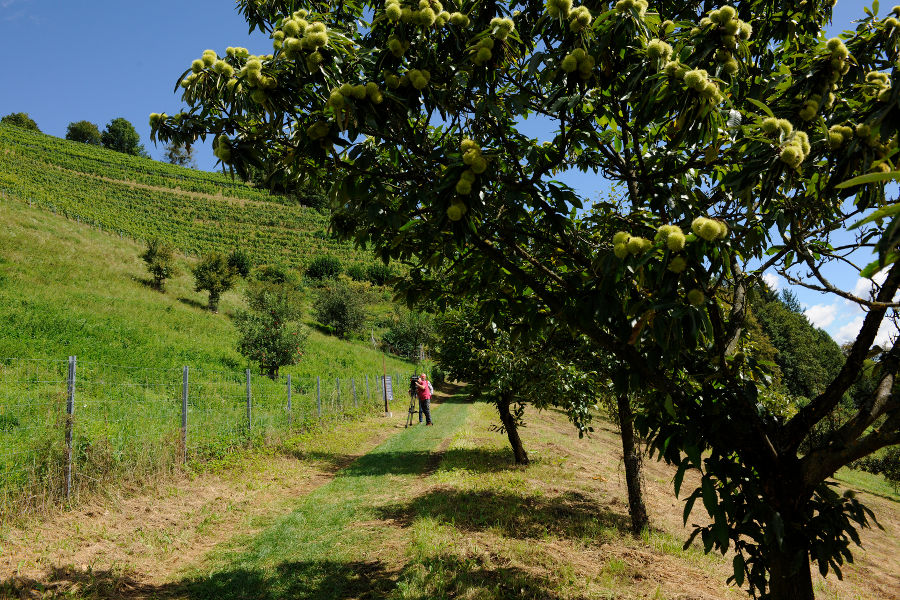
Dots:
pixel 134 197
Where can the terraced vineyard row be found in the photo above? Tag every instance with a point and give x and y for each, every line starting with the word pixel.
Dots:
pixel 268 231
pixel 93 160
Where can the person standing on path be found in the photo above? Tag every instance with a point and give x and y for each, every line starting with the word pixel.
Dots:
pixel 423 388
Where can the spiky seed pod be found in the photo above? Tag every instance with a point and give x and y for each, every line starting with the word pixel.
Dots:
pixel 393 12
pixel 209 57
pixel 463 187
pixel 569 64
pixel 658 50
pixel 586 67
pixel 677 265
pixel 314 60
pixel 197 66
pixel 697 223
pixel 426 17
pixel 482 56
pixel 459 19
pixel 579 19
pixel 620 250
pixel 456 210
pixel 468 175
pixel 470 155
pixel 559 8
pixel 346 90
pixel 676 241
pixel 479 165
pixel 727 13
pixel 621 237
pixel 791 155
pixel 290 28
pixel 258 96
pixel 696 297
pixel 318 130
pixel 392 81
pixel 835 139
pixel 336 100
pixel 468 144
pixel 372 89
pixel 732 27
pixel 731 66
pixel 359 92
pixel 695 79
pixel 785 126
pixel 709 230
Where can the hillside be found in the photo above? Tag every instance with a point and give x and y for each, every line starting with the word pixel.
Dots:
pixel 69 288
pixel 139 198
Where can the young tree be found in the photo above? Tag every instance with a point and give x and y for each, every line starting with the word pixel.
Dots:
pixel 180 154
pixel 121 136
pixel 84 132
pixel 739 141
pixel 20 119
pixel 408 330
pixel 160 260
pixel 341 308
pixel 544 372
pixel 213 274
pixel 270 336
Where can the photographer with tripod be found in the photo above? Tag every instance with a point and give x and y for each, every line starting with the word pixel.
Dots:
pixel 424 391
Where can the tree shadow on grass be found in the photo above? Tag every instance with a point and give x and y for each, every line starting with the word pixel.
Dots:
pixel 313 580
pixel 478 460
pixel 193 303
pixel 571 515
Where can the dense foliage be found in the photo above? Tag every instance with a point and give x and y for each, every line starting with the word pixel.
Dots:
pixel 410 332
pixel 20 119
pixel 121 136
pixel 213 274
pixel 84 132
pixel 340 308
pixel 269 333
pixel 159 257
pixel 731 136
pixel 180 154
pixel 324 267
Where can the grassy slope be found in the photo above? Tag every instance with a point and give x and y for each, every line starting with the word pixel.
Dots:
pixel 432 513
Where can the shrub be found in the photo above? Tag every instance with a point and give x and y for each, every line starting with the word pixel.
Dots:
pixel 379 273
pixel 437 375
pixel 341 309
pixel 356 272
pixel 240 261
pixel 279 274
pixel 407 331
pixel 269 335
pixel 214 275
pixel 20 119
pixel 885 462
pixel 84 132
pixel 324 267
pixel 160 259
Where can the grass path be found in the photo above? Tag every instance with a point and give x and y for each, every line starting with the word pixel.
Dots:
pixel 329 546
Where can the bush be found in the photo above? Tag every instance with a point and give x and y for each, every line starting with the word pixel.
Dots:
pixel 885 462
pixel 278 274
pixel 437 375
pixel 84 132
pixel 356 272
pixel 20 119
pixel 214 275
pixel 160 259
pixel 240 261
pixel 269 336
pixel 324 267
pixel 379 273
pixel 341 309
pixel 407 331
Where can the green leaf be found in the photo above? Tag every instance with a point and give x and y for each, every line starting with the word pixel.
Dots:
pixel 710 498
pixel 876 265
pixel 881 213
pixel 869 178
pixel 761 106
pixel 737 563
pixel 679 477
pixel 688 507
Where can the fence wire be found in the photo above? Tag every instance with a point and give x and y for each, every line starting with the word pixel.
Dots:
pixel 62 437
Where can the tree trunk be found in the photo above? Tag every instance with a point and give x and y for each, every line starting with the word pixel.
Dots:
pixel 789 574
pixel 636 508
pixel 512 431
pixel 214 301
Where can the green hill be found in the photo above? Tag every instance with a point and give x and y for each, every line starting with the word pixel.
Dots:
pixel 75 286
pixel 134 197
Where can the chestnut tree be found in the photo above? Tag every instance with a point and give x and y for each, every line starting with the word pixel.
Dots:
pixel 737 139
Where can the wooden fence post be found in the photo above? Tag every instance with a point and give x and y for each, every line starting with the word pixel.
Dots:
pixel 368 395
pixel 353 387
pixel 184 409
pixel 337 381
pixel 70 423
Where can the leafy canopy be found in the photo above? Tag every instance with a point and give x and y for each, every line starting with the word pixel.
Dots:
pixel 726 133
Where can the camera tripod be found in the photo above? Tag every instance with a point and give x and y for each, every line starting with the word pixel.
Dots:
pixel 413 409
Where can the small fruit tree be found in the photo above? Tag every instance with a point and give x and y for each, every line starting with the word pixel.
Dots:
pixel 214 275
pixel 159 256
pixel 727 133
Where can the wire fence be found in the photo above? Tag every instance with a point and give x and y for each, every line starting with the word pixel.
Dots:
pixel 67 428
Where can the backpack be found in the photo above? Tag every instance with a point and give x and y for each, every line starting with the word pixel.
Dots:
pixel 430 388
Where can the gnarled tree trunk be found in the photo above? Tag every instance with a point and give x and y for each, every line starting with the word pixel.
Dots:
pixel 636 508
pixel 512 431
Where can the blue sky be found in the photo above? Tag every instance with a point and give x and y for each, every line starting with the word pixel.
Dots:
pixel 102 59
